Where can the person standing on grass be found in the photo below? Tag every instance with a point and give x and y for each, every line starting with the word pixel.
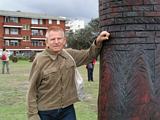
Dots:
pixel 52 90
pixel 90 68
pixel 5 61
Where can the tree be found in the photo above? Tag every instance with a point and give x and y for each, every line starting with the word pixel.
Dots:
pixel 83 38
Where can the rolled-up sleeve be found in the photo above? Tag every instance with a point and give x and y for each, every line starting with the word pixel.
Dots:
pixel 83 57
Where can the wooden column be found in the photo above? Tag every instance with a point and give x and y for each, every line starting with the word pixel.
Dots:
pixel 130 62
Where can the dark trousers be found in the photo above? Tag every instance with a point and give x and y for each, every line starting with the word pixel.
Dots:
pixel 67 113
pixel 90 74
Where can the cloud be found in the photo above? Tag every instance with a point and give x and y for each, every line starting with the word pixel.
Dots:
pixel 86 9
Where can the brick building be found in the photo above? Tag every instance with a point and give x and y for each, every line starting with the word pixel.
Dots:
pixel 25 32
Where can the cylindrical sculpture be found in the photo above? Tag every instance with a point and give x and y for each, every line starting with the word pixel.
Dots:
pixel 130 61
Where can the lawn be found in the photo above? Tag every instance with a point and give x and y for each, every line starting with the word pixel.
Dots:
pixel 13 89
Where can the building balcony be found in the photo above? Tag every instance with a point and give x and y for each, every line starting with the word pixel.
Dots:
pixel 35 26
pixel 37 47
pixel 13 47
pixel 13 25
pixel 17 37
pixel 37 37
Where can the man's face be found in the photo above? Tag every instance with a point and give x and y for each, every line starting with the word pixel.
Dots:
pixel 56 41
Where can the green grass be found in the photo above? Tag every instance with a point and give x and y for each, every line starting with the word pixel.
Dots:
pixel 13 89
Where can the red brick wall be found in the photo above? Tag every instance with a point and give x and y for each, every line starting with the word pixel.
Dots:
pixel 1 31
pixel 1 26
pixel 25 21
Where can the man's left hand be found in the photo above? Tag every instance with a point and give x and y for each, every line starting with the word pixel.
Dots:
pixel 104 35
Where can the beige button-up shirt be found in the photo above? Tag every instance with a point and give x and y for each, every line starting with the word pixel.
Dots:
pixel 52 83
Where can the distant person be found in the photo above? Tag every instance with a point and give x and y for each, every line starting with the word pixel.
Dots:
pixel 5 61
pixel 52 90
pixel 14 57
pixel 90 68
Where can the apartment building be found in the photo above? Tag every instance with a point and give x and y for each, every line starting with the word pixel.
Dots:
pixel 75 24
pixel 24 32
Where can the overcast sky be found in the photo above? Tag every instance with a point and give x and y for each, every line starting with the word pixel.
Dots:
pixel 85 9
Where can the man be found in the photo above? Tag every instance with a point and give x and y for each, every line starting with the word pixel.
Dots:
pixel 5 61
pixel 52 90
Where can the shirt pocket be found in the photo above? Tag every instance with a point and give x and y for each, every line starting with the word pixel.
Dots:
pixel 51 73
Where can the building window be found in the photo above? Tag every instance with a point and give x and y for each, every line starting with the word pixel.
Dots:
pixel 40 21
pixel 26 37
pixel 37 32
pixel 6 30
pixel 26 27
pixel 41 32
pixel 11 19
pixel 12 42
pixel 12 31
pixel 37 21
pixel 34 21
pixel 50 21
pixel 37 43
pixel 58 22
pixel 6 42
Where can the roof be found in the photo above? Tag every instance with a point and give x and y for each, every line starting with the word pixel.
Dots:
pixel 30 15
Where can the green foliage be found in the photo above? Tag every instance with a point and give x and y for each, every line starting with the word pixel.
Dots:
pixel 20 57
pixel 83 38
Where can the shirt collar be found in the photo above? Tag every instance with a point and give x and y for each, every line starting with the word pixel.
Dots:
pixel 53 55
